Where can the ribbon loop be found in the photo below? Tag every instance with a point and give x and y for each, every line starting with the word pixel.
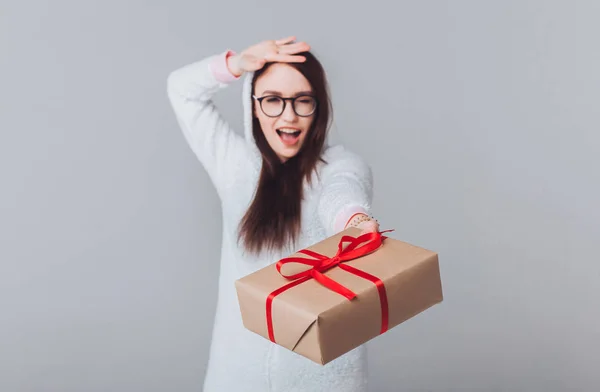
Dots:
pixel 357 247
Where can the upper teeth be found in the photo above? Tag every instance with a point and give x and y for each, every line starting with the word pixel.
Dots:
pixel 288 130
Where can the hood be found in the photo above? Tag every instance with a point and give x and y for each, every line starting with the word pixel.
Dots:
pixel 247 113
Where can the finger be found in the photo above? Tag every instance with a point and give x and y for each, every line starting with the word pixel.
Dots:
pixel 286 58
pixel 284 41
pixel 294 48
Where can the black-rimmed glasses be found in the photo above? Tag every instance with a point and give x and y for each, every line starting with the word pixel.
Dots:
pixel 274 105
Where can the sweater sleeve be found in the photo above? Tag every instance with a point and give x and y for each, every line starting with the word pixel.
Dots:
pixel 190 90
pixel 347 188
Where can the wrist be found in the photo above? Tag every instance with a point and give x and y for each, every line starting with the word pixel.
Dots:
pixel 232 65
pixel 357 219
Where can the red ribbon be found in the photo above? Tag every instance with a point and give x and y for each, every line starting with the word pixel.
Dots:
pixel 321 263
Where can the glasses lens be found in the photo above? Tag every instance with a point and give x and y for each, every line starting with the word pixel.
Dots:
pixel 272 106
pixel 305 105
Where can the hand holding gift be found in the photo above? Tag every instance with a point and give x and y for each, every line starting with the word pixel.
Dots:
pixel 370 226
pixel 364 222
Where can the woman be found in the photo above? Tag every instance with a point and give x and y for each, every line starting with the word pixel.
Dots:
pixel 282 188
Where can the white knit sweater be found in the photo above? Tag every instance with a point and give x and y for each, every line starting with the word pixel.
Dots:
pixel 241 360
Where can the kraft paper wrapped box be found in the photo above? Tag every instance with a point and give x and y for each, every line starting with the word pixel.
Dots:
pixel 328 305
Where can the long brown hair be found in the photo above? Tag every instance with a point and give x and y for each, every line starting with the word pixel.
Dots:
pixel 273 218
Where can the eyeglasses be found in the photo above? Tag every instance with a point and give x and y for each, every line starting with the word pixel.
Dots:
pixel 274 105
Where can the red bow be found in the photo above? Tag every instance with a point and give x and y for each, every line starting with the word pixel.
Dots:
pixel 322 263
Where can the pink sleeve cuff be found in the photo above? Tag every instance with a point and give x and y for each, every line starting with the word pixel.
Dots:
pixel 219 68
pixel 344 216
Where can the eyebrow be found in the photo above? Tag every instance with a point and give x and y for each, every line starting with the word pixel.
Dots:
pixel 273 92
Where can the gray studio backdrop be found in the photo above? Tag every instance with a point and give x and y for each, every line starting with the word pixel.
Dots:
pixel 480 120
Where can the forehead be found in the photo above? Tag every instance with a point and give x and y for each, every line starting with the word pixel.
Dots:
pixel 282 78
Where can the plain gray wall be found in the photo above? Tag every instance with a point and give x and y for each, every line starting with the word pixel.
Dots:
pixel 480 120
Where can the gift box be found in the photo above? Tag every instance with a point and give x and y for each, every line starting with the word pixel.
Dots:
pixel 332 297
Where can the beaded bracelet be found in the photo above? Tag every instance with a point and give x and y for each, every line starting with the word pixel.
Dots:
pixel 357 219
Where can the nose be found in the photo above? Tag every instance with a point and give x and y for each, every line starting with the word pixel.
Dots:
pixel 288 112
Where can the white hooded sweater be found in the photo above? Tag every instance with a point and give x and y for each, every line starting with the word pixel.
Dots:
pixel 241 360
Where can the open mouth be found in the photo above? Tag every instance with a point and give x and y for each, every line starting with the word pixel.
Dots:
pixel 289 136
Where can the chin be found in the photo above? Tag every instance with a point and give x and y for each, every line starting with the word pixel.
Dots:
pixel 285 155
